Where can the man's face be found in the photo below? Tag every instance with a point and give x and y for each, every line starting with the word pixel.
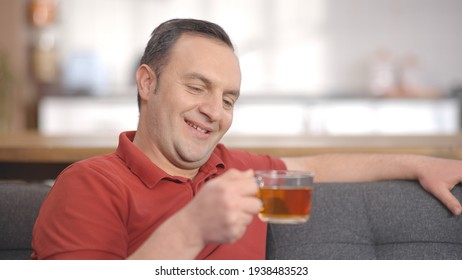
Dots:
pixel 192 107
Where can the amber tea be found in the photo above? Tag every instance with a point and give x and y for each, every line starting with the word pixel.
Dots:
pixel 286 195
pixel 286 205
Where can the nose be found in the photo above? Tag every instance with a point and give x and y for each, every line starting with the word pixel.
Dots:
pixel 212 107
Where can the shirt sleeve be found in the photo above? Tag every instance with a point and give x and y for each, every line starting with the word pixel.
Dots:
pixel 83 217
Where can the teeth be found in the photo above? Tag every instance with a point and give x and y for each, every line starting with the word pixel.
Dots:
pixel 197 128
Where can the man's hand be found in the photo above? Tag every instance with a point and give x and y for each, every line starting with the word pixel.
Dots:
pixel 225 206
pixel 219 213
pixel 439 177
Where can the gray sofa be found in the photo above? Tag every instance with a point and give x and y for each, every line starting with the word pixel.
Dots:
pixel 19 206
pixel 382 220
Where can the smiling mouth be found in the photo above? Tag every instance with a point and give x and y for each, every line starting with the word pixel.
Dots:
pixel 198 128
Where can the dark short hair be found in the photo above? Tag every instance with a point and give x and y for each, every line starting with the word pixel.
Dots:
pixel 166 34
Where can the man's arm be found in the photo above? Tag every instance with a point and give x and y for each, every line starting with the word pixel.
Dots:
pixel 437 176
pixel 219 213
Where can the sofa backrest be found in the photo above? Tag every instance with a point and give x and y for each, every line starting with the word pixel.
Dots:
pixel 19 207
pixel 381 220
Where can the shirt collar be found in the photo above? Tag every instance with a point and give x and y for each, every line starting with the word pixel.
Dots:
pixel 149 173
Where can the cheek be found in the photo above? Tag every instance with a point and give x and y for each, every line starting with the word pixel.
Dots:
pixel 157 114
pixel 228 120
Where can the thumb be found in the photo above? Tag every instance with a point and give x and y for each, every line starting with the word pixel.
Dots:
pixel 249 173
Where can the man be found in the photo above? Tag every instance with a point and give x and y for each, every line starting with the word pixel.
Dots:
pixel 171 191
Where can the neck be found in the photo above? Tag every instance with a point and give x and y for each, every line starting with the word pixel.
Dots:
pixel 153 153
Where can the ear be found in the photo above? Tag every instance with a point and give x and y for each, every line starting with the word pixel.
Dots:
pixel 146 80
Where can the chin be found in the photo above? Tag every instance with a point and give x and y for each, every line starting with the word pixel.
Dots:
pixel 195 161
pixel 190 165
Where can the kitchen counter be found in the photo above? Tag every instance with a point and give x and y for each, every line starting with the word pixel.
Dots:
pixel 31 156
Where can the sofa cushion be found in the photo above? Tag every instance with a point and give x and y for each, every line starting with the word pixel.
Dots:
pixel 19 207
pixel 381 220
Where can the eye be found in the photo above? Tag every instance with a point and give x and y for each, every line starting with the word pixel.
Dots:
pixel 228 103
pixel 195 89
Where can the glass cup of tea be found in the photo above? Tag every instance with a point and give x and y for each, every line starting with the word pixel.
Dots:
pixel 286 195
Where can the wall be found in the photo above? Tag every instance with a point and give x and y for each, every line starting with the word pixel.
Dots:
pixel 309 47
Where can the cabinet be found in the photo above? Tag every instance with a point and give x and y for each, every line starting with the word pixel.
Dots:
pixel 266 116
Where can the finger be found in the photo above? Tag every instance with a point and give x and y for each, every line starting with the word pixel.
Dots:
pixel 449 200
pixel 236 233
pixel 249 173
pixel 246 186
pixel 251 205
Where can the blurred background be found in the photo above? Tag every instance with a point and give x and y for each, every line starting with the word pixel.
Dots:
pixel 310 67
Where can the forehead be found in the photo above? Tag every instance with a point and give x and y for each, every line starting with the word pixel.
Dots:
pixel 209 56
pixel 193 38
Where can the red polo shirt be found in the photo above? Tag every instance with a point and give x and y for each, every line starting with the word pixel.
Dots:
pixel 105 207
